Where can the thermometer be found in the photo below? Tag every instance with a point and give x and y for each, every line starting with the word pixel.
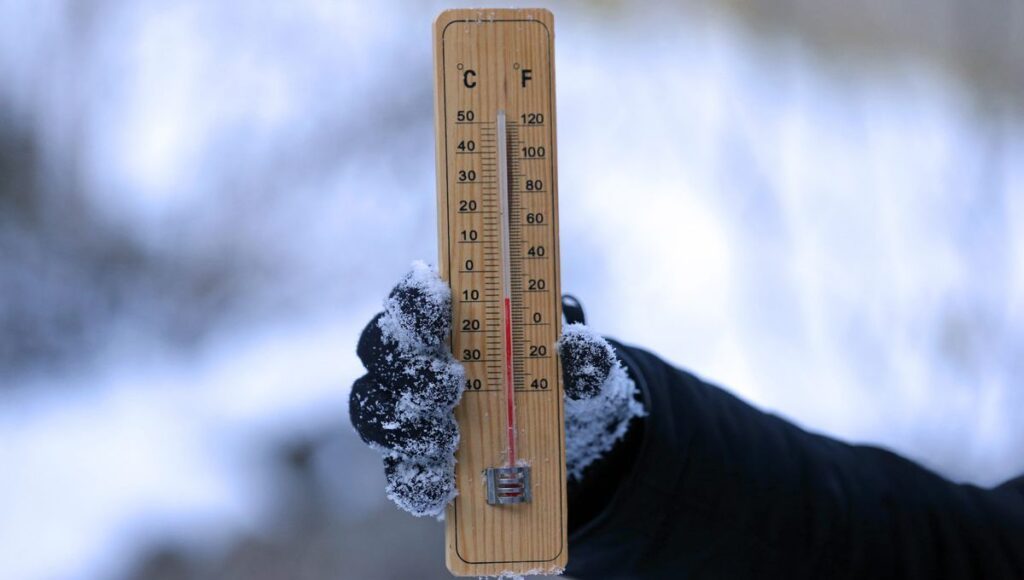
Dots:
pixel 498 249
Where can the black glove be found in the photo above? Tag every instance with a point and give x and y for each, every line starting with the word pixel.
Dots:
pixel 403 405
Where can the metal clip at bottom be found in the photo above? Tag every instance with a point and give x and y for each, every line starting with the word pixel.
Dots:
pixel 508 485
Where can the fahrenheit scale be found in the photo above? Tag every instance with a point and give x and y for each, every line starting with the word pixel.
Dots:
pixel 498 238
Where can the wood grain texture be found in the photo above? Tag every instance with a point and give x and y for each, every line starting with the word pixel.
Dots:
pixel 486 60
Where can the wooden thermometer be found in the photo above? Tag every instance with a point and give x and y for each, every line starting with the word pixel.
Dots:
pixel 498 237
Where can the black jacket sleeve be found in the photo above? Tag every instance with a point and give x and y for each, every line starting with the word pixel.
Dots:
pixel 709 487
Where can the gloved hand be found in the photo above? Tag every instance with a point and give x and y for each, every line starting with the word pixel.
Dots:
pixel 403 405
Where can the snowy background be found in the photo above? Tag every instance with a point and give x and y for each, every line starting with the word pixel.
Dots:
pixel 819 204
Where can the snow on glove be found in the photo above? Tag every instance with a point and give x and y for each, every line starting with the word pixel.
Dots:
pixel 403 406
pixel 600 398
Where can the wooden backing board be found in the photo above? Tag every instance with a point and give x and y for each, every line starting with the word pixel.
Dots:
pixel 486 60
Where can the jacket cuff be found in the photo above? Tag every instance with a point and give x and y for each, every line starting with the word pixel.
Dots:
pixel 622 522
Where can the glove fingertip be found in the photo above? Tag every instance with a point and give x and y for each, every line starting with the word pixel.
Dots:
pixel 373 351
pixel 384 425
pixel 418 309
pixel 587 361
pixel 368 409
pixel 422 488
